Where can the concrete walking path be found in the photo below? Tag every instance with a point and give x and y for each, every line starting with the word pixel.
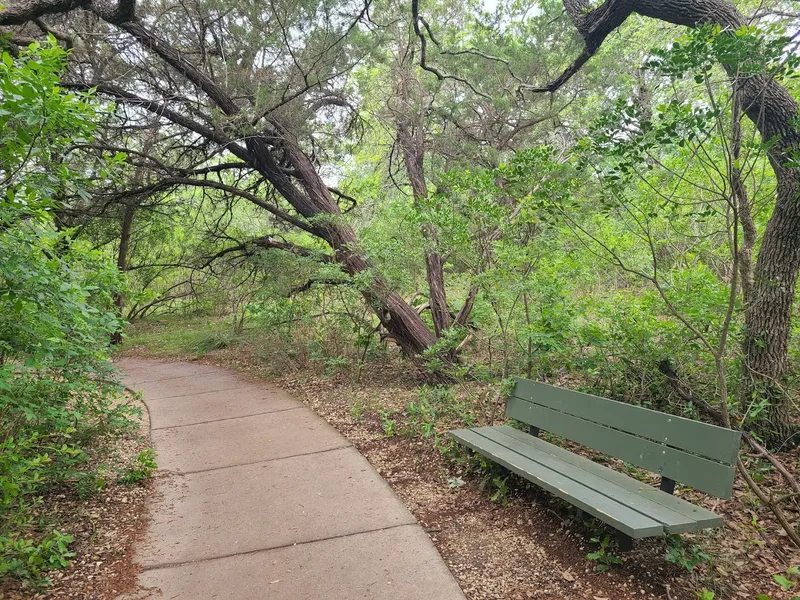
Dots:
pixel 264 500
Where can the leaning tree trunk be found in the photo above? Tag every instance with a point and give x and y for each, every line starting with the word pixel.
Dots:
pixel 774 112
pixel 310 196
pixel 402 322
pixel 412 143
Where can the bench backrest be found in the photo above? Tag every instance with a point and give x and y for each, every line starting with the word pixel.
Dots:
pixel 694 453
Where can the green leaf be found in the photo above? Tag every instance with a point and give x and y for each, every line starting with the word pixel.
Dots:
pixel 783 581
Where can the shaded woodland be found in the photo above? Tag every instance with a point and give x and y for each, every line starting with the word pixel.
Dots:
pixel 602 196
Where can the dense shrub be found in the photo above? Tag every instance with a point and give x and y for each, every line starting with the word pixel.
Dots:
pixel 57 389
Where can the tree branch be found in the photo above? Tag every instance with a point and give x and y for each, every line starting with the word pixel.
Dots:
pixel 20 13
pixel 423 54
pixel 160 109
pixel 169 182
pixel 267 242
pixel 594 26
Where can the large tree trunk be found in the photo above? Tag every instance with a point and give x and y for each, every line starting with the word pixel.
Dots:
pixel 768 316
pixel 764 365
pixel 774 112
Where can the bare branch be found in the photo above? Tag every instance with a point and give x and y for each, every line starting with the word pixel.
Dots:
pixel 169 182
pixel 267 242
pixel 423 54
pixel 160 109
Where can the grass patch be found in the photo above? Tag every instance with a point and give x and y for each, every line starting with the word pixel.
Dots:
pixel 173 336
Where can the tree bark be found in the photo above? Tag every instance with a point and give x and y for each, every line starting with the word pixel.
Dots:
pixel 411 139
pixel 411 143
pixel 126 227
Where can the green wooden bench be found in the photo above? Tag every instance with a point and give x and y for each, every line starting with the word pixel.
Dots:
pixel 694 453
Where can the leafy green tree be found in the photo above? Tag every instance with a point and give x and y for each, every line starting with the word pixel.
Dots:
pixel 757 71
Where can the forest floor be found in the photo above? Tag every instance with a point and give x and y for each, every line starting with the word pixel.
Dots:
pixel 501 537
pixel 105 519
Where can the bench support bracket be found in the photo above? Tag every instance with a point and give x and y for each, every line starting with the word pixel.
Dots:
pixel 625 542
pixel 667 485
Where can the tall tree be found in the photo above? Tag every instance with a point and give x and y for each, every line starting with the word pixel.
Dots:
pixel 774 112
pixel 236 81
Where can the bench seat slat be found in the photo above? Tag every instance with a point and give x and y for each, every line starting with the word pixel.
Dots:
pixel 621 517
pixel 701 473
pixel 676 515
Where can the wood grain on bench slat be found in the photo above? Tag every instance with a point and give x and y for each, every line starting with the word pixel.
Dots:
pixel 625 519
pixel 710 441
pixel 701 473
pixel 676 515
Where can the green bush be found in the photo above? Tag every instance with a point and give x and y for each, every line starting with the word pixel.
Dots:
pixel 57 385
pixel 215 340
pixel 144 467
pixel 24 559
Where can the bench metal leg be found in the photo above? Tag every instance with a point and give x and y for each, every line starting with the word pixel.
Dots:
pixel 533 430
pixel 581 515
pixel 625 542
pixel 667 485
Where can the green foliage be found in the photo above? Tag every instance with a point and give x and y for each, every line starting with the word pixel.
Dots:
pixel 389 424
pixel 88 485
pixel 214 340
pixel 500 491
pixel 26 560
pixel 143 469
pixel 57 386
pixel 684 555
pixel 421 418
pixel 603 557
pixel 336 364
pixel 782 579
pixel 750 50
pixel 38 119
pixel 494 479
pixel 455 482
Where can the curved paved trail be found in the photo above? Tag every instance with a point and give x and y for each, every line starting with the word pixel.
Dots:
pixel 263 499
